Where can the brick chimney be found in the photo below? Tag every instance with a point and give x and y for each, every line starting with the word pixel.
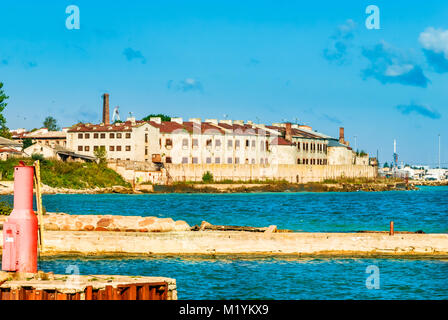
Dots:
pixel 341 135
pixel 106 113
pixel 288 132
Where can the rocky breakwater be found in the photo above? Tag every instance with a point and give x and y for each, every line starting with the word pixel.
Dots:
pixel 66 222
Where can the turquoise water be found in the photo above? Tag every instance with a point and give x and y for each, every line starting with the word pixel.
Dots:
pixel 426 209
pixel 278 278
pixel 269 278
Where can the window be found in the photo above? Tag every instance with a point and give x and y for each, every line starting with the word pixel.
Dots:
pixel 195 143
pixel 103 136
pixel 128 135
pixel 266 161
pixel 229 160
pixel 253 144
pixel 208 143
pixel 79 148
pixel 261 161
pixel 112 136
pixel 86 148
pixel 79 135
pixel 237 160
pixel 146 138
pixel 253 161
pixel 118 148
pixel 218 143
pixel 95 148
pixel 194 160
pixel 298 161
pixel 208 160
pixel 247 143
pixel 298 146
pixel 146 151
pixel 95 136
pixel 267 145
pixel 119 136
pixel 261 145
pixel 168 160
pixel 128 148
pixel 184 160
pixel 185 143
pixel 217 160
pixel 229 143
pixel 168 143
pixel 87 136
pixel 111 148
pixel 237 143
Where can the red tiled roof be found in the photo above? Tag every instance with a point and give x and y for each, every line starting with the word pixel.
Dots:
pixel 9 151
pixel 295 132
pixel 279 141
pixel 119 126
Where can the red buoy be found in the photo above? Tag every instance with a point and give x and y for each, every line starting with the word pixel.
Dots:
pixel 20 230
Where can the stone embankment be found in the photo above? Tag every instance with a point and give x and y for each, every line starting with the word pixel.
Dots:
pixel 7 187
pixel 66 222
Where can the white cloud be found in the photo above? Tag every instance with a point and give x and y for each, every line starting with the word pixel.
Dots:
pixel 435 40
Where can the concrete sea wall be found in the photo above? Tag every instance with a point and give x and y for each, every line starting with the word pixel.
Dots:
pixel 242 243
pixel 243 172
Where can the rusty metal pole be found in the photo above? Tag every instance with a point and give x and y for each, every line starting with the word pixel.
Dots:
pixel 391 231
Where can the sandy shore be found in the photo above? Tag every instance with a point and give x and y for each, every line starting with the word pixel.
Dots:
pixel 81 243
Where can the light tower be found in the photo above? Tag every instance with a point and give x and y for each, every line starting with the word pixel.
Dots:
pixel 395 154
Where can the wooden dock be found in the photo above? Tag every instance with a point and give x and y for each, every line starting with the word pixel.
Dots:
pixel 92 287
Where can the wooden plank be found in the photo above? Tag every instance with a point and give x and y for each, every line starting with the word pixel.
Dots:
pixel 153 294
pixel 89 293
pixel 39 203
pixel 108 293
pixel 38 295
pixel 61 296
pixel 115 294
pixel 132 292
pixel 145 292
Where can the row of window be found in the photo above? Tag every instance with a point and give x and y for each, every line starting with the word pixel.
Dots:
pixel 112 135
pixel 312 147
pixel 217 160
pixel 312 161
pixel 111 148
pixel 209 143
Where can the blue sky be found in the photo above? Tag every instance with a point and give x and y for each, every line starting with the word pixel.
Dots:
pixel 264 61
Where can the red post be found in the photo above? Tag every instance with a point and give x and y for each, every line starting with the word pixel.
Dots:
pixel 391 232
pixel 20 230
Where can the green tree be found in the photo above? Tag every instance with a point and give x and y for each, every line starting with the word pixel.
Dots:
pixel 4 131
pixel 100 154
pixel 207 177
pixel 163 116
pixel 27 142
pixel 51 124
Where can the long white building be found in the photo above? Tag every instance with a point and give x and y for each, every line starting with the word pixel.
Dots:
pixel 209 142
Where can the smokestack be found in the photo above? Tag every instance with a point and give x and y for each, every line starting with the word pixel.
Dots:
pixel 341 135
pixel 288 134
pixel 106 114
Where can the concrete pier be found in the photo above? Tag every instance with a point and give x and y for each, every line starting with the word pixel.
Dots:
pixel 245 243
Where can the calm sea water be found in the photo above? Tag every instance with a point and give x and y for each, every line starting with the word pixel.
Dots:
pixel 426 209
pixel 275 278
pixel 269 278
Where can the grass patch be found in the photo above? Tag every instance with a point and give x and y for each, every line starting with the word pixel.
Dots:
pixel 73 175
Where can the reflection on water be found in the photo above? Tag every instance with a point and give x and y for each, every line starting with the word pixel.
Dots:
pixel 277 278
